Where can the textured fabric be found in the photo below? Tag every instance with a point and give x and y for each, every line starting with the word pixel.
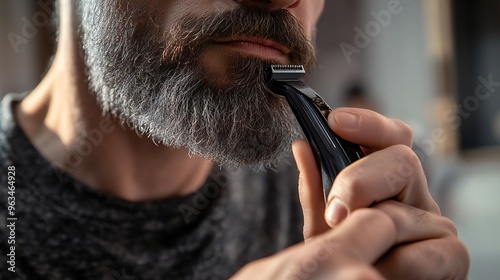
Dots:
pixel 67 230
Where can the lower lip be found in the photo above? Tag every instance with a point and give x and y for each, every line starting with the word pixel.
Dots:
pixel 255 49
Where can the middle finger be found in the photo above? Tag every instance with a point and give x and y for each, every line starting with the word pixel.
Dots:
pixel 392 173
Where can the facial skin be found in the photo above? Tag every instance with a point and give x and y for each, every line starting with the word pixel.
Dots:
pixel 198 71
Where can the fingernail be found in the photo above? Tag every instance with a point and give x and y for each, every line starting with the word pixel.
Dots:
pixel 337 211
pixel 346 120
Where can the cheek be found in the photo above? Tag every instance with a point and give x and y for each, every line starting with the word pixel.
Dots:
pixel 308 14
pixel 176 9
pixel 165 12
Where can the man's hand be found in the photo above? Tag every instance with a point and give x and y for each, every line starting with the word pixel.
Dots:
pixel 391 179
pixel 380 220
pixel 351 249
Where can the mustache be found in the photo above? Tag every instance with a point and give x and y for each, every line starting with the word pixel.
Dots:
pixel 190 35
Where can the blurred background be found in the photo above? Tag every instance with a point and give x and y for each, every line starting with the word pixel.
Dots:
pixel 434 64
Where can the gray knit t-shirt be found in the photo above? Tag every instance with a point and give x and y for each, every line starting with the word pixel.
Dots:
pixel 59 228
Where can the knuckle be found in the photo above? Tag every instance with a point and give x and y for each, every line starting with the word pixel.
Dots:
pixel 348 183
pixel 406 132
pixel 461 252
pixel 366 217
pixel 423 218
pixel 408 155
pixel 413 159
pixel 457 256
pixel 449 226
pixel 434 207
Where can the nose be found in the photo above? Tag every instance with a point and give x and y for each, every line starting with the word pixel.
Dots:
pixel 270 4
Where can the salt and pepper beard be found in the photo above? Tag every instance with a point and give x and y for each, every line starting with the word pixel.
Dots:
pixel 155 82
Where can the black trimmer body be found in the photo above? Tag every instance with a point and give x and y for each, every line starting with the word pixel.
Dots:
pixel 332 153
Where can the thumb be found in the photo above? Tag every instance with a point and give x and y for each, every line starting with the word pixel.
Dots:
pixel 310 190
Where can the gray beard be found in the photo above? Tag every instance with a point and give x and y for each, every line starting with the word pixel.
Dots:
pixel 166 95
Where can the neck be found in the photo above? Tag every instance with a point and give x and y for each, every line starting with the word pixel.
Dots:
pixel 63 120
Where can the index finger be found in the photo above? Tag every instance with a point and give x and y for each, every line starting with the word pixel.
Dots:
pixel 310 193
pixel 369 129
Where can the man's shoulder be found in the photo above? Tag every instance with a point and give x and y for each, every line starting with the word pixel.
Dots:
pixel 7 120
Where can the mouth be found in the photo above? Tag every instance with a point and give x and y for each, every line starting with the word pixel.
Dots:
pixel 258 47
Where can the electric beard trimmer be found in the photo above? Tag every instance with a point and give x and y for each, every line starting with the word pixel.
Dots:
pixel 332 152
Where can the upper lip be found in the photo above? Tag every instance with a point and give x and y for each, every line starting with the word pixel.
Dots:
pixel 257 40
